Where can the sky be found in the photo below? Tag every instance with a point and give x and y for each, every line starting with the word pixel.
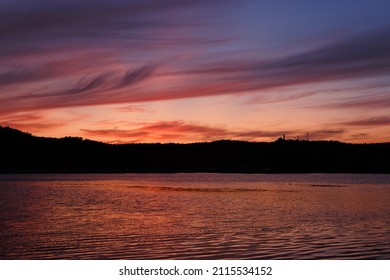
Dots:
pixel 184 71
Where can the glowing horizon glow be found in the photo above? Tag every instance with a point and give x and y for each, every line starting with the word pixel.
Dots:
pixel 190 71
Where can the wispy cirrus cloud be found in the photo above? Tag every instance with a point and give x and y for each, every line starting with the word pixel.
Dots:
pixel 89 84
pixel 87 91
pixel 135 76
pixel 367 101
pixel 370 122
pixel 276 98
pixel 43 24
pixel 362 56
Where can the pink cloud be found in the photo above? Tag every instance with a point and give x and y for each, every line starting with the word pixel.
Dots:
pixel 131 108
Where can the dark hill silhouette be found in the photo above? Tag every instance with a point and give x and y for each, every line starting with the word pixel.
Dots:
pixel 23 152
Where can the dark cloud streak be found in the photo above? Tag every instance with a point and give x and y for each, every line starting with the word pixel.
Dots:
pixel 138 75
pixel 377 101
pixel 370 122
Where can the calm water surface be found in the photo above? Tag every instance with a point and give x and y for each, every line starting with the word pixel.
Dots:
pixel 194 216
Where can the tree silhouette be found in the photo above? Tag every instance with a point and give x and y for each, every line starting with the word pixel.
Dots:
pixel 23 152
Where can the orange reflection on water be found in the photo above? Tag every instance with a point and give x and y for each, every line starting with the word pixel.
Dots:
pixel 145 216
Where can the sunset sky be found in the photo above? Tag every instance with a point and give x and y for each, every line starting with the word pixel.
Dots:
pixel 196 70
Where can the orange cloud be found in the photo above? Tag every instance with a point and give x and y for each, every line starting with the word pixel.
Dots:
pixel 179 131
pixel 30 122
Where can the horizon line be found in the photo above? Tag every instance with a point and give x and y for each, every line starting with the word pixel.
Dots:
pixel 279 139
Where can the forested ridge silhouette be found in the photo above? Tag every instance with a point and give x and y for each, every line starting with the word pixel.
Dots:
pixel 23 152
